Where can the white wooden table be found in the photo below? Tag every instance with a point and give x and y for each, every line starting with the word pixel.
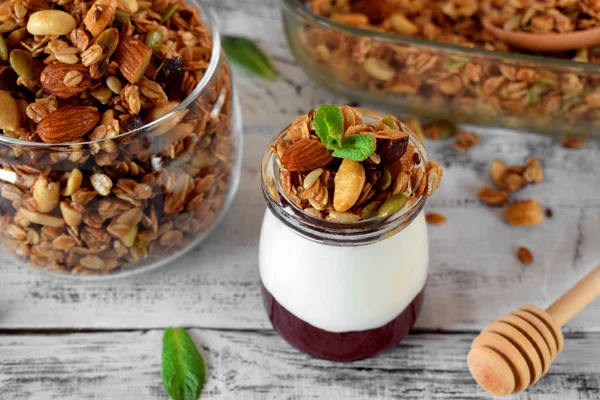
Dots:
pixel 68 341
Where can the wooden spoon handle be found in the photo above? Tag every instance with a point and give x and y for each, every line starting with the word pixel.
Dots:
pixel 580 295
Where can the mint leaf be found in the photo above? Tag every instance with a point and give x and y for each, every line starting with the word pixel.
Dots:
pixel 183 370
pixel 247 55
pixel 329 126
pixel 356 147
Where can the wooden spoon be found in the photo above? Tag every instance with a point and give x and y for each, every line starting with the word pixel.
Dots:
pixel 546 42
pixel 515 351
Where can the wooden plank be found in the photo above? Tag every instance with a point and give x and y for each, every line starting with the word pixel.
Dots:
pixel 474 276
pixel 260 365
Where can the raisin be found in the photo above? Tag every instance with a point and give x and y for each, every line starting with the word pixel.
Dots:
pixel 171 72
pixel 131 122
pixel 390 150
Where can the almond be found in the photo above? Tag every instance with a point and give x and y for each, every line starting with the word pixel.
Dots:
pixel 524 213
pixel 497 172
pixel 99 16
pixel 524 255
pixel 435 219
pixel 68 124
pixel 493 197
pixel 52 80
pixel 306 155
pixel 348 185
pixel 133 58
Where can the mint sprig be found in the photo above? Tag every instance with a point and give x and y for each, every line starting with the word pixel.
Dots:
pixel 183 369
pixel 356 147
pixel 329 127
pixel 247 55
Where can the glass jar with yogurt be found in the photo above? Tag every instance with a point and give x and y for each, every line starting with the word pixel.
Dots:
pixel 341 291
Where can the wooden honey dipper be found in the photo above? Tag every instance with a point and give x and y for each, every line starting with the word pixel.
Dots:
pixel 516 350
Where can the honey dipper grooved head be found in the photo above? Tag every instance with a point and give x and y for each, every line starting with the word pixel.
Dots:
pixel 513 357
pixel 491 371
pixel 523 344
pixel 549 321
pixel 542 328
pixel 515 351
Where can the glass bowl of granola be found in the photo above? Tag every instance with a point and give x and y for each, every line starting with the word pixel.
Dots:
pixel 434 59
pixel 343 252
pixel 121 145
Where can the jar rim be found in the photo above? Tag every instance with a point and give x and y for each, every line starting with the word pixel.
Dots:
pixel 335 232
pixel 210 20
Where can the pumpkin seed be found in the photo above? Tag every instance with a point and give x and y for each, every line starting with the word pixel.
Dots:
pixel 154 40
pixel 455 64
pixel 536 92
pixel 445 129
pixel 570 102
pixel 3 49
pixel 370 210
pixel 385 180
pixel 121 16
pixel 144 5
pixel 392 205
pixel 342 217
pixel 168 13
pixel 108 40
pixel 390 123
pixel 21 63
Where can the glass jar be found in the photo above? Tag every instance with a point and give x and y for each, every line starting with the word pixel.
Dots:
pixel 135 201
pixel 342 291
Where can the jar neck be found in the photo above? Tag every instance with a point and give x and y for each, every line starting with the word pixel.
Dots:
pixel 358 233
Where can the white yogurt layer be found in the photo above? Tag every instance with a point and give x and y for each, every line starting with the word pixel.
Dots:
pixel 340 289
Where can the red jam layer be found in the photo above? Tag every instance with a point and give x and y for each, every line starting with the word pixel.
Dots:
pixel 340 346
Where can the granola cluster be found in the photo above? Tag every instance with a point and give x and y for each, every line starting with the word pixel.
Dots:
pixel 447 84
pixel 509 180
pixel 391 178
pixel 73 72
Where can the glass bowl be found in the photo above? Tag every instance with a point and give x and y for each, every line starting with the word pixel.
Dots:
pixel 437 80
pixel 133 202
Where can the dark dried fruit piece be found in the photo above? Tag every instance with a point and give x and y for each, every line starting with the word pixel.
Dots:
pixel 171 72
pixel 376 10
pixel 131 122
pixel 391 151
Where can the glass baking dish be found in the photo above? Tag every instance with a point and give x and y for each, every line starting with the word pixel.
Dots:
pixel 436 80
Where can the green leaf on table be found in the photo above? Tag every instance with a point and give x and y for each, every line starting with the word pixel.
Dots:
pixel 246 54
pixel 183 370
pixel 356 147
pixel 329 126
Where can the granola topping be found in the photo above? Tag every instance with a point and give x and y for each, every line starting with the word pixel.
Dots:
pixel 336 167
pixel 74 73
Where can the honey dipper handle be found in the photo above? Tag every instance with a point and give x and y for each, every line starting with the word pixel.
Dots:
pixel 579 296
